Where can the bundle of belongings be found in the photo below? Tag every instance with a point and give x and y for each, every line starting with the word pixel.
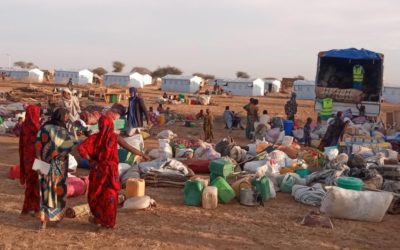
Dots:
pixel 340 95
pixel 161 173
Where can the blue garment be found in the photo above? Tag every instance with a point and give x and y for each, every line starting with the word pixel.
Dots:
pixel 132 121
pixel 228 118
pixel 358 85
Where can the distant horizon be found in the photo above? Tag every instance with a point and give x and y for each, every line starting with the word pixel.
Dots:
pixel 264 38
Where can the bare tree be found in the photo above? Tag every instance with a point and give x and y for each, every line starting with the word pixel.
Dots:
pixel 241 74
pixel 118 66
pixel 99 71
pixel 168 70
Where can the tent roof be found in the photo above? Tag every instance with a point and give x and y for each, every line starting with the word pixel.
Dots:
pixel 352 53
pixel 304 82
pixel 118 74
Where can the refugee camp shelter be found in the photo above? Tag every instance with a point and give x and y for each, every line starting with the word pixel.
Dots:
pixel 391 93
pixel 83 76
pixel 139 80
pixel 29 75
pixel 272 85
pixel 178 83
pixel 241 86
pixel 135 79
pixel 305 90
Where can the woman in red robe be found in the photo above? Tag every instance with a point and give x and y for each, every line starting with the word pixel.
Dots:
pixel 27 153
pixel 101 150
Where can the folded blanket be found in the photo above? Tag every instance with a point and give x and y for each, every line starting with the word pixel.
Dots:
pixel 309 195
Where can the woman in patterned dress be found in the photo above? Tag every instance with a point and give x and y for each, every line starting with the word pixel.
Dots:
pixel 52 146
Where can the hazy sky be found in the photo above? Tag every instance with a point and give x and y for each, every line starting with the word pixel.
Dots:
pixel 262 37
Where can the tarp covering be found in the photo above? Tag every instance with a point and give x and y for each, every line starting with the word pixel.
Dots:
pixel 352 53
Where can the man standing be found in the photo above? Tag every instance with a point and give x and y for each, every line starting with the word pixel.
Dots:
pixel 291 107
pixel 137 112
pixel 69 84
pixel 70 103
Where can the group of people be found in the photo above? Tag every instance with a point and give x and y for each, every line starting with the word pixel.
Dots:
pixel 51 143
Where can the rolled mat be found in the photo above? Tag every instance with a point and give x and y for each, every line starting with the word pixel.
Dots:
pixel 77 211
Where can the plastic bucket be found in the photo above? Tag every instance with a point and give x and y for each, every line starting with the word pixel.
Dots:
pixel 302 172
pixel 288 127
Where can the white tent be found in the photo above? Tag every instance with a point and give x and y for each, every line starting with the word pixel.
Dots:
pixel 272 86
pixel 30 75
pixel 178 83
pixel 241 86
pixel 147 79
pixel 83 76
pixel 305 90
pixel 391 94
pixel 135 79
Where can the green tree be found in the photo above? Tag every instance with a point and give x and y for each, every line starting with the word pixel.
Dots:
pixel 30 65
pixel 300 77
pixel 99 71
pixel 168 70
pixel 141 70
pixel 118 66
pixel 241 74
pixel 20 64
pixel 204 76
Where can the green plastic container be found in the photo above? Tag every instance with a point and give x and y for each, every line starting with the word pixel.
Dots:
pixel 350 183
pixel 261 186
pixel 213 177
pixel 113 98
pixel 118 125
pixel 192 193
pixel 122 155
pixel 302 172
pixel 225 191
pixel 221 167
pixel 287 183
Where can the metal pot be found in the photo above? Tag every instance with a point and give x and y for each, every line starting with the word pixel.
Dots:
pixel 248 197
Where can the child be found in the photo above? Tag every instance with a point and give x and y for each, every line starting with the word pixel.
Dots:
pixel 18 126
pixel 307 132
pixel 152 116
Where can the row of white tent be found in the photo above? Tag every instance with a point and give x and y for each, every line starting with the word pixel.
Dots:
pixel 304 89
pixel 239 86
pixel 83 76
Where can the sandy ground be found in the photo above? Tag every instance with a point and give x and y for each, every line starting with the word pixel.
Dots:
pixel 175 226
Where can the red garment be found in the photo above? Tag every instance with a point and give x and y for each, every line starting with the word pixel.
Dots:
pixel 104 184
pixel 29 177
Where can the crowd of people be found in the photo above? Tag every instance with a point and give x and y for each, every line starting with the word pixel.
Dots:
pixel 50 143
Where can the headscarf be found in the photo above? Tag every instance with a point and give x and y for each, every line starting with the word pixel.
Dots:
pixel 104 138
pixel 101 146
pixel 132 108
pixel 71 104
pixel 32 119
pixel 57 118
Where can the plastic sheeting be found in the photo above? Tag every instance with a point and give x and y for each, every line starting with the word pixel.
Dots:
pixel 353 53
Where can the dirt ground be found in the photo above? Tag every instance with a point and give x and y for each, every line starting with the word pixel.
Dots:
pixel 174 226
